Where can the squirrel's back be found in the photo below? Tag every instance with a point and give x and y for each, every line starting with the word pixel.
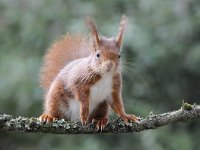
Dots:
pixel 62 52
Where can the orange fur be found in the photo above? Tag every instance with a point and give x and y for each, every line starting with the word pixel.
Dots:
pixel 62 52
pixel 58 96
pixel 122 27
pixel 84 73
pixel 93 29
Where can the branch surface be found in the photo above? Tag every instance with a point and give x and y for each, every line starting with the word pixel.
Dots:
pixel 25 125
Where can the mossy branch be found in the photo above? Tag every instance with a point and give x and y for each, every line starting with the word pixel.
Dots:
pixel 185 113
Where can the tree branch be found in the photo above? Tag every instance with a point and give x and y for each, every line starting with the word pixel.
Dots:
pixel 26 125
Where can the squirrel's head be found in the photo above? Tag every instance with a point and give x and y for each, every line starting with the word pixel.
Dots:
pixel 106 51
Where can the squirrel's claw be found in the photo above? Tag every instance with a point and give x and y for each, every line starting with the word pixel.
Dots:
pixel 83 121
pixel 130 118
pixel 100 123
pixel 47 118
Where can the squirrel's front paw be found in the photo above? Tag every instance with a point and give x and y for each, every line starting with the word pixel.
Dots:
pixel 47 118
pixel 84 120
pixel 84 117
pixel 129 118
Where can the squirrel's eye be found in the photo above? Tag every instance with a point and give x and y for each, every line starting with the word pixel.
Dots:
pixel 98 55
pixel 119 56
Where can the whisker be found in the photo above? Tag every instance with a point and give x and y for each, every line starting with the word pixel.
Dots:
pixel 128 68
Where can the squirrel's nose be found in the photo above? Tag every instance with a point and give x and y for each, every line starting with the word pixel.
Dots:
pixel 109 66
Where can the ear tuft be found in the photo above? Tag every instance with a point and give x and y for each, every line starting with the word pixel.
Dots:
pixel 93 29
pixel 122 27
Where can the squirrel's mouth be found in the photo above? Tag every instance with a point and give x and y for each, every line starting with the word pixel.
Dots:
pixel 108 69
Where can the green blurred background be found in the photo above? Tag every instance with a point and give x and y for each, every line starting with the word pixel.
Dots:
pixel 161 56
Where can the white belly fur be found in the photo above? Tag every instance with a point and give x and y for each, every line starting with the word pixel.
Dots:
pixel 98 93
pixel 101 91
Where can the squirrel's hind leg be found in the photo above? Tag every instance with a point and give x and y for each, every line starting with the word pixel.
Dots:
pixel 56 98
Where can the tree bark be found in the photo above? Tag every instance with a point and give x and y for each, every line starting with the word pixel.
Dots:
pixel 21 124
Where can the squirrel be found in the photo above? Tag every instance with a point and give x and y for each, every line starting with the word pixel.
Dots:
pixel 81 78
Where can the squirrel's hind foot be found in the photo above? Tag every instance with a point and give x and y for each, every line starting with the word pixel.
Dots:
pixel 100 123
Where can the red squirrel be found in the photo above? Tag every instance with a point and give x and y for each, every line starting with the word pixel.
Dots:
pixel 81 78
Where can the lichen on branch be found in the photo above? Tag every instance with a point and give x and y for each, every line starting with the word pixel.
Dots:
pixel 21 124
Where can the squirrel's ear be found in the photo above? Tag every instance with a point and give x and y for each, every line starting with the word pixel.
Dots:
pixel 122 26
pixel 93 29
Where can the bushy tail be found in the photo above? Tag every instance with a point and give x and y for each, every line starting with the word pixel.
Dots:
pixel 62 52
